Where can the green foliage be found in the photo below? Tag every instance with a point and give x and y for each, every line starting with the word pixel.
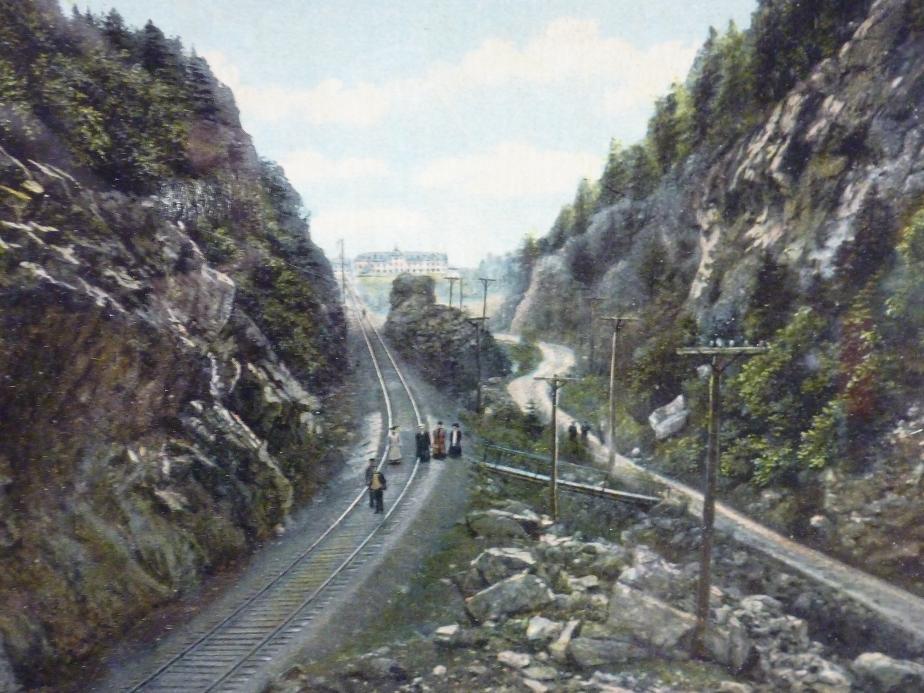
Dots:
pixel 126 122
pixel 788 37
pixel 771 302
pixel 905 306
pixel 657 374
pixel 776 396
pixel 670 130
pixel 823 443
pixel 526 355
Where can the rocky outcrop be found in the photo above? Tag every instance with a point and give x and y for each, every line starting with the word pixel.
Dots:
pixel 439 340
pixel 803 211
pixel 154 425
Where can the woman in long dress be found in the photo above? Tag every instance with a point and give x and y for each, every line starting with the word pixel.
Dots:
pixel 394 446
pixel 439 441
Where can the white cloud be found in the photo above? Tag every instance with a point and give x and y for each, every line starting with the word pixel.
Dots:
pixel 567 50
pixel 648 74
pixel 512 169
pixel 306 166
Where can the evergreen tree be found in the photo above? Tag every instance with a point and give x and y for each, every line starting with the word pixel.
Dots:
pixel 614 183
pixel 583 207
pixel 706 75
pixel 770 304
pixel 200 83
pixel 154 50
pixel 116 32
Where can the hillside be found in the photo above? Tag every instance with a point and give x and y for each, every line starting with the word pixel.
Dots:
pixel 778 197
pixel 170 337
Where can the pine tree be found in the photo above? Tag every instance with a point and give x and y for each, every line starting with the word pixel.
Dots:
pixel 116 32
pixel 614 183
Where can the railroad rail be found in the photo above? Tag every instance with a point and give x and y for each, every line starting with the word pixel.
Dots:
pixel 588 489
pixel 268 622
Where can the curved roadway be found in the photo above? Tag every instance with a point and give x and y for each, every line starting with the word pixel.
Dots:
pixel 894 605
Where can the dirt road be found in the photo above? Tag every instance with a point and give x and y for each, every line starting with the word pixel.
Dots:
pixel 897 607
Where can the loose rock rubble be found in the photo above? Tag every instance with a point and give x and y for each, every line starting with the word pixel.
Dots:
pixel 545 609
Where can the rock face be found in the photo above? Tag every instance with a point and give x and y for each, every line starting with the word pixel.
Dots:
pixel 438 339
pixel 153 425
pixel 806 207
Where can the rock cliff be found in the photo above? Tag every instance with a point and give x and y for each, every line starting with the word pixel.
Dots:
pixel 800 226
pixel 438 339
pixel 168 336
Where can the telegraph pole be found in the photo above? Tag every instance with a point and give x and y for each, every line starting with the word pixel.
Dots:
pixel 452 282
pixel 484 305
pixel 342 272
pixel 718 362
pixel 479 325
pixel 617 322
pixel 461 307
pixel 556 382
pixel 594 300
pixel 591 342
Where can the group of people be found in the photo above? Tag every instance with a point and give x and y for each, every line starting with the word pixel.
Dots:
pixel 436 446
pixel 573 432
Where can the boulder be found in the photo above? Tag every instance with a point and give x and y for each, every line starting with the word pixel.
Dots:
pixel 535 686
pixel 666 631
pixel 542 629
pixel 446 633
pixel 382 668
pixel 495 564
pixel 517 594
pixel 496 524
pixel 654 575
pixel 879 672
pixel 559 649
pixel 660 626
pixel 515 660
pixel 670 419
pixel 588 653
pixel 541 672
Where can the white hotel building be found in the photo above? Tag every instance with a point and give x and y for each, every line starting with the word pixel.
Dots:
pixel 398 262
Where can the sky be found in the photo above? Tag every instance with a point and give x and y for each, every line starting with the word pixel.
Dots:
pixel 457 126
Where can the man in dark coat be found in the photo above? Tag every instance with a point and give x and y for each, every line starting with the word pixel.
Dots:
pixel 572 432
pixel 455 441
pixel 370 470
pixel 423 443
pixel 377 486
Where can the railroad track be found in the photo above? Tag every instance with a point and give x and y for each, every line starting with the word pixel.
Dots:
pixel 234 652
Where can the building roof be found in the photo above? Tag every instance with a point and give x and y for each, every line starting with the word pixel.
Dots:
pixel 410 256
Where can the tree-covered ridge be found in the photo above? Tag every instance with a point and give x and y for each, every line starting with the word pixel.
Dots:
pixel 776 197
pixel 132 110
pixel 736 79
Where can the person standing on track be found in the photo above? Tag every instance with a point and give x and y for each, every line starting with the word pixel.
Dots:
pixel 394 446
pixel 377 486
pixel 439 441
pixel 422 438
pixel 370 470
pixel 455 441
